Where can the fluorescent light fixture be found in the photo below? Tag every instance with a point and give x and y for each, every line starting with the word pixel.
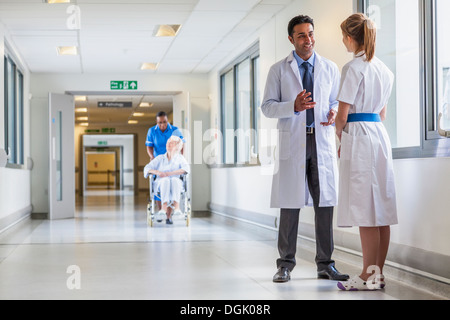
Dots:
pixel 82 118
pixel 84 124
pixel 132 121
pixel 146 104
pixel 80 98
pixel 67 51
pixel 167 30
pixel 138 114
pixel 80 109
pixel 149 66
pixel 57 1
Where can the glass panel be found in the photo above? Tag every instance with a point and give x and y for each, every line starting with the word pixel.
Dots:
pixel 58 153
pixel 256 103
pixel 10 85
pixel 244 115
pixel 443 61
pixel 398 46
pixel 20 156
pixel 228 116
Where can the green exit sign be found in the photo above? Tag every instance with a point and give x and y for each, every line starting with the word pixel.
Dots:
pixel 124 85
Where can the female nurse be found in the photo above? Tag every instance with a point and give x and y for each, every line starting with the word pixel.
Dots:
pixel 366 187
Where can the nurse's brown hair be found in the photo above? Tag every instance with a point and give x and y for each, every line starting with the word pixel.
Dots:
pixel 363 30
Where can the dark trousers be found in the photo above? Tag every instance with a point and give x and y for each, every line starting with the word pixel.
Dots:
pixel 289 218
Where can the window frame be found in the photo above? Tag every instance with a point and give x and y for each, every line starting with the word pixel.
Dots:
pixel 431 143
pixel 250 54
pixel 16 150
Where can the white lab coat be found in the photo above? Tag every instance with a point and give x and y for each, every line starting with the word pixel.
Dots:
pixel 366 188
pixel 289 185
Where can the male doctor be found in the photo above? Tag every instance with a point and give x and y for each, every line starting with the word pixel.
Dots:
pixel 301 93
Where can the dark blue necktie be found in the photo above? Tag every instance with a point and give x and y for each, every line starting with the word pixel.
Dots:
pixel 308 85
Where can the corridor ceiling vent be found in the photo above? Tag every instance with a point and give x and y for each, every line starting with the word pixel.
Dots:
pixel 67 51
pixel 167 30
pixel 149 66
pixel 145 104
pixel 57 1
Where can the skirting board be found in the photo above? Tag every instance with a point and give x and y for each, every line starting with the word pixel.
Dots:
pixel 406 263
pixel 14 218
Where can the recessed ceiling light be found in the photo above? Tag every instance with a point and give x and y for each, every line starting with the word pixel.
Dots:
pixel 84 124
pixel 80 98
pixel 57 1
pixel 67 51
pixel 146 104
pixel 167 30
pixel 149 66
pixel 82 118
pixel 132 121
pixel 80 109
pixel 138 114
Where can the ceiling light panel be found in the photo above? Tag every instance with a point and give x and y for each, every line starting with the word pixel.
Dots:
pixel 167 30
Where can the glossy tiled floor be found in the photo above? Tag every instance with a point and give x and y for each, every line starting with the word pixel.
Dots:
pixel 119 257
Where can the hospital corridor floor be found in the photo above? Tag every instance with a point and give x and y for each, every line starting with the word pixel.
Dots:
pixel 113 254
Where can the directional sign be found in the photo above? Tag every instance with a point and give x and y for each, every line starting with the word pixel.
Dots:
pixel 124 85
pixel 114 104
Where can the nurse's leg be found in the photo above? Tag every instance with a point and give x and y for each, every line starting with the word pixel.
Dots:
pixel 287 238
pixel 370 242
pixel 385 238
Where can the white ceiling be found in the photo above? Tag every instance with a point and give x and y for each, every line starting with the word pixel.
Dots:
pixel 117 36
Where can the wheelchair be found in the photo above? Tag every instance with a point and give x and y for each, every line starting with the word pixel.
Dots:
pixel 185 201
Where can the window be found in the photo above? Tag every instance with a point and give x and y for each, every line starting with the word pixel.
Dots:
pixel 443 62
pixel 240 97
pixel 14 129
pixel 227 89
pixel 410 41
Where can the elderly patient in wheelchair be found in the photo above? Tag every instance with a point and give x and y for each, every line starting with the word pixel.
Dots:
pixel 168 168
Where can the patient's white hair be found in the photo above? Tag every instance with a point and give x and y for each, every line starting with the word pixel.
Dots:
pixel 179 143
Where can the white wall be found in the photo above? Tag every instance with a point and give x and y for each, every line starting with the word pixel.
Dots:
pixel 423 191
pixel 15 199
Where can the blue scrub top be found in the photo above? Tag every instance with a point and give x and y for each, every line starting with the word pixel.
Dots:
pixel 158 139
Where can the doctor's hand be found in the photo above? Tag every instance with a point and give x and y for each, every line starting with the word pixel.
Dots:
pixel 303 102
pixel 331 118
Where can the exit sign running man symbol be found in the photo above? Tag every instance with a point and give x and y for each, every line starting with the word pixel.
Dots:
pixel 124 85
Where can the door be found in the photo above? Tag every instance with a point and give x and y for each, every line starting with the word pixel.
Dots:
pixel 62 156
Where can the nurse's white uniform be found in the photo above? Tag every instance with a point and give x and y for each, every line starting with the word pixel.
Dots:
pixel 366 185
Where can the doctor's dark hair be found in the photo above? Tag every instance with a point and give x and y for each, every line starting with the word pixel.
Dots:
pixel 362 30
pixel 299 20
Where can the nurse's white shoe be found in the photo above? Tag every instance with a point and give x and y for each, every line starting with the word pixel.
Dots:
pixel 358 284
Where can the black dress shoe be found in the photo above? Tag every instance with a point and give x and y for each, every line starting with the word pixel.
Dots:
pixel 283 275
pixel 331 273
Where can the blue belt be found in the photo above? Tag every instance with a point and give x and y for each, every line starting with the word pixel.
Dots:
pixel 367 117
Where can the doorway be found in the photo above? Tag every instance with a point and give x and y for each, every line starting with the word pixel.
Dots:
pixel 103 168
